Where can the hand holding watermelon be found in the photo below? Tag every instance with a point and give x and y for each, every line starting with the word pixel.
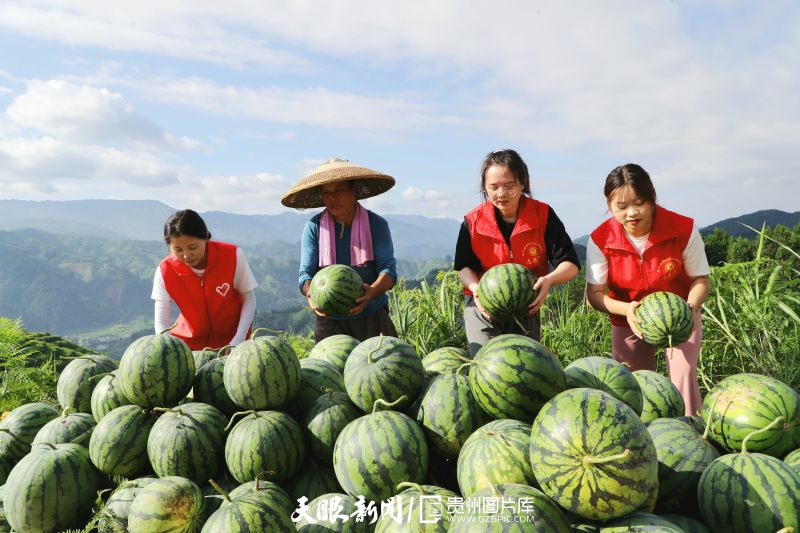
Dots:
pixel 633 320
pixel 542 285
pixel 361 301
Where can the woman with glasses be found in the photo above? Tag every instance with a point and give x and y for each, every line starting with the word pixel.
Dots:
pixel 347 233
pixel 510 227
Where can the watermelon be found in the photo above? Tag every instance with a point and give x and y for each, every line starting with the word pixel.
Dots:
pixel 19 428
pixel 156 371
pixel 444 361
pixel 377 451
pixel 334 349
pixel 505 291
pixel 514 508
pixel 448 413
pixel 203 356
pixel 694 421
pixel 640 522
pixel 605 374
pixel 384 368
pixel 593 455
pixel 683 455
pixel 666 319
pixel 51 489
pixel 279 497
pixel 264 441
pixel 687 524
pixel 209 386
pixel 331 513
pixel 317 377
pixel 251 509
pixel 107 395
pixel 743 403
pixel 326 418
pixel 313 480
pixel 497 453
pixel 512 376
pixel 171 503
pixel 661 399
pixel 115 512
pixel 793 460
pixel 262 373
pixel 78 379
pixel 75 427
pixel 118 445
pixel 188 441
pixel 418 508
pixel 334 289
pixel 212 497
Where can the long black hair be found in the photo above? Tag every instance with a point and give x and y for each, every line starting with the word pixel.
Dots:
pixel 185 222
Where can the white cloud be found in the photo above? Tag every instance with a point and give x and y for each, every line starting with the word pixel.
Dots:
pixel 415 194
pixel 248 193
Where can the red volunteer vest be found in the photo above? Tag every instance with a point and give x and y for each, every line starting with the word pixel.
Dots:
pixel 632 277
pixel 527 240
pixel 210 306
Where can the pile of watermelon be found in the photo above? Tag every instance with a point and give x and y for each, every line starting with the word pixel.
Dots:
pixel 369 434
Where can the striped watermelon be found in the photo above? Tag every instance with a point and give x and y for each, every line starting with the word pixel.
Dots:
pixel 67 428
pixel 19 428
pixel 512 376
pixel 688 525
pixel 444 361
pixel 505 291
pixel 278 496
pixel 51 489
pixel 377 451
pixel 605 374
pixel 156 371
pixel 265 441
pixel 326 418
pixel 115 512
pixel 749 492
pixel 334 289
pixel 661 399
pixel 248 509
pixel 641 523
pixel 496 454
pixel 188 441
pixel 383 368
pixel 213 499
pixel 317 377
pixel 519 508
pixel 694 421
pixel 209 386
pixel 666 319
pixel 743 403
pixel 683 455
pixel 118 445
pixel 262 373
pixel 203 356
pixel 334 349
pixel 313 480
pixel 793 460
pixel 107 395
pixel 593 455
pixel 169 504
pixel 331 513
pixel 78 379
pixel 448 413
pixel 417 509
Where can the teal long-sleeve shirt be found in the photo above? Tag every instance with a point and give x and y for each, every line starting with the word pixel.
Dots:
pixel 382 248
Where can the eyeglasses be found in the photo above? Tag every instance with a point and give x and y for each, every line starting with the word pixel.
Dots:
pixel 504 189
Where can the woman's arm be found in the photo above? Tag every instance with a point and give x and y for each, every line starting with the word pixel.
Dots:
pixel 245 317
pixel 598 299
pixel 562 274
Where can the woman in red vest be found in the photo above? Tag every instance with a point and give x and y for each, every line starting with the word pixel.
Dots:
pixel 210 281
pixel 510 227
pixel 644 248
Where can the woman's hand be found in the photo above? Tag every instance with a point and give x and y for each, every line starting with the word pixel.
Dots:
pixel 313 306
pixel 361 301
pixel 633 320
pixel 695 312
pixel 473 288
pixel 543 286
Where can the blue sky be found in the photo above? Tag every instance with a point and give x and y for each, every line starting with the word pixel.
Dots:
pixel 224 105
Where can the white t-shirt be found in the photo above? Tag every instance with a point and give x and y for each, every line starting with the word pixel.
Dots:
pixel 695 262
pixel 243 279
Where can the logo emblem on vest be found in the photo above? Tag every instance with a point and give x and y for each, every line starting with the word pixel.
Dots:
pixel 223 289
pixel 670 267
pixel 532 254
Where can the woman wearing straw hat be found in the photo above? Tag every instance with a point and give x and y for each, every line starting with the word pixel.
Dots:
pixel 346 233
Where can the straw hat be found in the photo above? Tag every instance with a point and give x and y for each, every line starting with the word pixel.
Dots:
pixel 306 192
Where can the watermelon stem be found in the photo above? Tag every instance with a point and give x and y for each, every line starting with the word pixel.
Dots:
pixel 257 481
pixel 169 410
pixel 253 334
pixel 410 485
pixel 591 459
pixel 671 348
pixel 220 490
pixel 52 446
pixel 169 328
pixel 710 414
pixel 762 430
pixel 523 328
pixel 233 417
pixel 100 376
pixel 83 436
pixel 65 412
pixel 465 365
pixel 378 347
pixel 386 404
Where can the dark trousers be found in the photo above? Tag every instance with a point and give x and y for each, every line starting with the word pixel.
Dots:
pixel 378 323
pixel 480 329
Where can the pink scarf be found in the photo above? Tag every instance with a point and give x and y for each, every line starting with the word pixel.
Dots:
pixel 360 239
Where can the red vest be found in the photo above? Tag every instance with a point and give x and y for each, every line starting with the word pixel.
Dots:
pixel 210 306
pixel 632 277
pixel 527 239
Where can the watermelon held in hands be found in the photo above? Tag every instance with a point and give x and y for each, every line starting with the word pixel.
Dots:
pixel 666 319
pixel 505 291
pixel 334 289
